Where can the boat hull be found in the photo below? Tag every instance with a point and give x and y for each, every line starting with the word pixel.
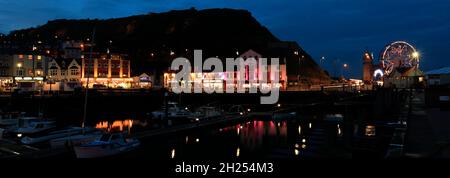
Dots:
pixel 98 151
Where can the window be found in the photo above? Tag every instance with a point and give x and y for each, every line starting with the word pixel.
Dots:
pixel 53 72
pixel 39 65
pixel 20 56
pixel 74 72
pixel 39 57
pixel 370 131
pixel 19 72
pixel 102 75
pixel 63 72
pixel 30 57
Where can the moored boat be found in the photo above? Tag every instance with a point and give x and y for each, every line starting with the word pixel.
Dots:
pixel 107 145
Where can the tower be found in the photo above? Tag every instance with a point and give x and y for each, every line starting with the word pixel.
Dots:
pixel 367 67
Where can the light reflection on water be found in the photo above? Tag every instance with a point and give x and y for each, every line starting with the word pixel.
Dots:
pixel 250 139
pixel 120 125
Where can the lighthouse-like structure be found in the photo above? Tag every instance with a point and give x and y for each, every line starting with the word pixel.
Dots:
pixel 367 67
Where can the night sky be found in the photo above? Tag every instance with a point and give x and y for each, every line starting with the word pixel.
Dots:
pixel 337 29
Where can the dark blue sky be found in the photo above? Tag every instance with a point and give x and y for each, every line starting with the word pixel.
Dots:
pixel 336 29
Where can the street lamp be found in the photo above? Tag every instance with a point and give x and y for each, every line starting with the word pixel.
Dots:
pixel 415 54
pixel 344 66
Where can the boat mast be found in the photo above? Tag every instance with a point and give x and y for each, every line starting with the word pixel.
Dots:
pixel 87 80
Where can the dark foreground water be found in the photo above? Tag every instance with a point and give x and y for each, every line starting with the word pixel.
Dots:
pixel 289 138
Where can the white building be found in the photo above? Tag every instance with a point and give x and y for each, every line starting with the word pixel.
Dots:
pixel 64 74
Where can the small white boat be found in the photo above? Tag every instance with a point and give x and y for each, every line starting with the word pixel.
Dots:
pixel 107 145
pixel 75 140
pixel 35 127
pixel 206 112
pixel 10 118
pixel 28 140
pixel 173 111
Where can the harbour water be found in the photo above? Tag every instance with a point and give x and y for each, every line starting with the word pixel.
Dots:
pixel 291 138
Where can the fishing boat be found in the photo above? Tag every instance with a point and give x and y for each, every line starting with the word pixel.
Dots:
pixel 107 145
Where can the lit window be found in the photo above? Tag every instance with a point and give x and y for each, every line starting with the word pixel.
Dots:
pixel 370 131
pixel 30 57
pixel 53 72
pixel 20 56
pixel 39 57
pixel 74 72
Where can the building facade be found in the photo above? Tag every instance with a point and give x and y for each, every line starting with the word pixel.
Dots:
pixel 64 74
pixel 106 71
pixel 219 81
pixel 439 77
pixel 6 74
pixel 29 70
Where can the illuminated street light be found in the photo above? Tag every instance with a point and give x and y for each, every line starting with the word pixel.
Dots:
pixel 19 65
pixel 345 65
pixel 415 54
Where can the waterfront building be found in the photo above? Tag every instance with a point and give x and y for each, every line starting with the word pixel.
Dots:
pixel 143 81
pixel 218 80
pixel 6 79
pixel 64 74
pixel 106 71
pixel 29 70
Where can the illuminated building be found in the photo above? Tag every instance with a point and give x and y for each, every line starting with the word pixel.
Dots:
pixel 218 80
pixel 142 81
pixel 29 70
pixel 63 74
pixel 6 79
pixel 106 71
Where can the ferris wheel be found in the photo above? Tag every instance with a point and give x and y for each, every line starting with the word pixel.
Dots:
pixel 400 56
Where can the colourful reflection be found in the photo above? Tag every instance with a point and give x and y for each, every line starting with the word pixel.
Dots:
pixel 119 125
pixel 251 135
